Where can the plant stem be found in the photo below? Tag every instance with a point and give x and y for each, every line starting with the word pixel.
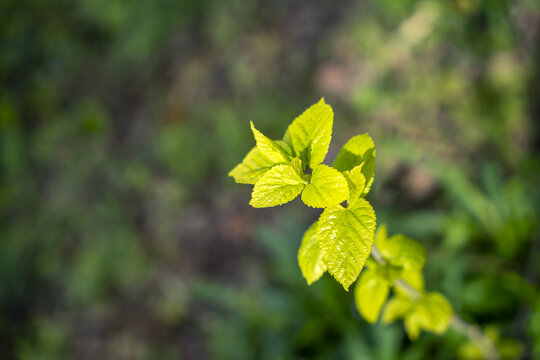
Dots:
pixel 471 331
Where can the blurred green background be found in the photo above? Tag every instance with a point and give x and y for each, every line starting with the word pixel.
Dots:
pixel 122 237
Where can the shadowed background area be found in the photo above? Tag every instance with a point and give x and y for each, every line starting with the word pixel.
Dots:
pixel 122 237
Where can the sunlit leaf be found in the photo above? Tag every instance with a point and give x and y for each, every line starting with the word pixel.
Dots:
pixel 356 182
pixel 252 168
pixel 413 325
pixel 311 132
pixel 358 151
pixel 346 237
pixel 401 250
pixel 388 272
pixel 275 151
pixel 414 278
pixel 370 294
pixel 310 256
pixel 434 311
pixel 381 236
pixel 396 308
pixel 327 188
pixel 279 185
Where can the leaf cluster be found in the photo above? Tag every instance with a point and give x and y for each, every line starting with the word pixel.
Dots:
pixel 340 241
pixel 399 269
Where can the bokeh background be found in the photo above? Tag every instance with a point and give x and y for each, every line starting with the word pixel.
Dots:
pixel 122 237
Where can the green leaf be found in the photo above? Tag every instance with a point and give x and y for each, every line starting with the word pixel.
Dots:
pixel 310 256
pixel 296 164
pixel 401 250
pixel 413 325
pixel 381 236
pixel 288 141
pixel 370 294
pixel 358 151
pixel 252 168
pixel 434 312
pixel 346 237
pixel 275 151
pixel 356 182
pixel 310 133
pixel 396 308
pixel 388 272
pixel 278 186
pixel 327 188
pixel 414 278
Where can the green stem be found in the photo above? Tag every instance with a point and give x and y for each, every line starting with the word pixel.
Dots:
pixel 471 331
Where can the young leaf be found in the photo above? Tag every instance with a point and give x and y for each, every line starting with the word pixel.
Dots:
pixel 310 133
pixel 401 250
pixel 288 141
pixel 278 186
pixel 370 294
pixel 381 236
pixel 413 325
pixel 434 312
pixel 396 308
pixel 414 278
pixel 327 188
pixel 356 182
pixel 388 272
pixel 345 237
pixel 360 150
pixel 296 164
pixel 310 256
pixel 275 151
pixel 252 168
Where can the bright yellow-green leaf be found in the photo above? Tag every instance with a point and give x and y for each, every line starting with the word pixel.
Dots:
pixel 288 142
pixel 413 325
pixel 252 168
pixel 327 188
pixel 414 278
pixel 275 151
pixel 296 164
pixel 358 151
pixel 310 133
pixel 356 182
pixel 389 272
pixel 396 308
pixel 320 144
pixel 434 312
pixel 370 294
pixel 346 237
pixel 401 250
pixel 381 236
pixel 310 256
pixel 279 185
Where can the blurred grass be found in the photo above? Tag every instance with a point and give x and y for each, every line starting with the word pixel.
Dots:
pixel 122 238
